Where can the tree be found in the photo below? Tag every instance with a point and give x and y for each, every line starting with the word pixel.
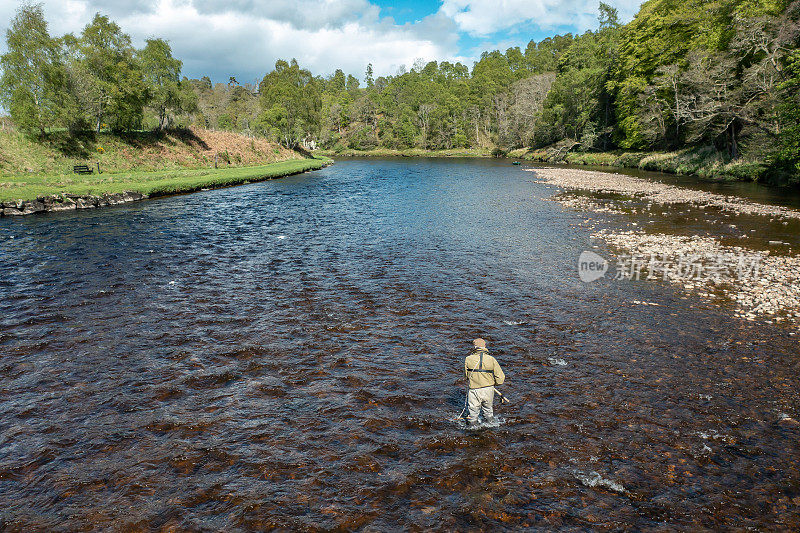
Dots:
pixel 528 96
pixel 117 91
pixel 762 43
pixel 368 76
pixel 574 105
pixel 608 17
pixel 290 103
pixel 352 83
pixel 337 82
pixel 424 117
pixel 715 104
pixel 33 77
pixel 162 75
pixel 661 116
pixel 187 98
pixel 787 157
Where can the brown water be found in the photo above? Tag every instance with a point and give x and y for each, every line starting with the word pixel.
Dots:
pixel 288 355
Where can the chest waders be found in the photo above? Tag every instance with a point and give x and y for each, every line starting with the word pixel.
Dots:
pixel 480 368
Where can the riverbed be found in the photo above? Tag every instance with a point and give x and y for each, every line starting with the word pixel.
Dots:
pixel 289 354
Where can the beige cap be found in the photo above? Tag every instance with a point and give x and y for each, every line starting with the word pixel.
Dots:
pixel 479 343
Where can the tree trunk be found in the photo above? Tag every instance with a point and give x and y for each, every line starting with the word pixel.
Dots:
pixel 677 110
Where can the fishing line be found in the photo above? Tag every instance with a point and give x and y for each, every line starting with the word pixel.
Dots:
pixel 466 398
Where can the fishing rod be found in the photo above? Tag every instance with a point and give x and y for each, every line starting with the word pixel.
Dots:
pixel 503 398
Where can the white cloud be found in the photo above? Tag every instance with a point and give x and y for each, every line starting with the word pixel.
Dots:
pixel 484 17
pixel 308 14
pixel 238 43
pixel 244 38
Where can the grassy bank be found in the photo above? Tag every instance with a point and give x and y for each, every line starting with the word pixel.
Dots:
pixel 409 152
pixel 57 152
pixel 706 163
pixel 151 183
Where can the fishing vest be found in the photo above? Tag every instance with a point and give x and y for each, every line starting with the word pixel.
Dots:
pixel 482 370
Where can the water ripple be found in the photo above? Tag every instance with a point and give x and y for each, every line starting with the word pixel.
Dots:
pixel 289 355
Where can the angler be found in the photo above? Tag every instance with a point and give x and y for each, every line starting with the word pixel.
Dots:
pixel 483 373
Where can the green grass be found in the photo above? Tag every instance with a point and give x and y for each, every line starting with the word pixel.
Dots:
pixel 152 183
pixel 703 162
pixel 57 152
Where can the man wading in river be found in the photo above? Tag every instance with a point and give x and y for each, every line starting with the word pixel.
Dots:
pixel 483 373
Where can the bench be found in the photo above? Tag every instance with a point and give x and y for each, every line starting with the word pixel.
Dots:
pixel 82 169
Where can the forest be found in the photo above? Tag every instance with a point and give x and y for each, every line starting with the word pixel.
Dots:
pixel 721 76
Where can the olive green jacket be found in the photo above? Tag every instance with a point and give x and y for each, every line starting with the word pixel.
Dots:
pixel 482 371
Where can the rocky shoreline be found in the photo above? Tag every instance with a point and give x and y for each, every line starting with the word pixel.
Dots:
pixel 770 293
pixel 67 202
pixel 768 286
pixel 653 191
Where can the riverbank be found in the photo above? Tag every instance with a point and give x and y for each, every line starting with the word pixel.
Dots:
pixel 705 163
pixel 195 148
pixel 769 290
pixel 410 152
pixel 42 193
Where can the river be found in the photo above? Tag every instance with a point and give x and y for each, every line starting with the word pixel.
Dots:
pixel 289 354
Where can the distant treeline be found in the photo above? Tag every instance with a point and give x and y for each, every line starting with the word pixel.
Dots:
pixel 688 73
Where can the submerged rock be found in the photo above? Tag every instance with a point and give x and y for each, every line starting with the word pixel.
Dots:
pixel 761 285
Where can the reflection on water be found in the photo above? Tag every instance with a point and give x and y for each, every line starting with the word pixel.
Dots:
pixel 289 354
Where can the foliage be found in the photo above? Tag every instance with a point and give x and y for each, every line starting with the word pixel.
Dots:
pixel 162 75
pixel 787 158
pixel 290 103
pixel 96 78
pixel 32 80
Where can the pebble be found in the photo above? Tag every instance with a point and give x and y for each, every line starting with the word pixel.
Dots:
pixel 775 297
pixel 656 192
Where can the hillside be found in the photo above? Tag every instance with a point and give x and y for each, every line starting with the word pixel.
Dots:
pixel 194 148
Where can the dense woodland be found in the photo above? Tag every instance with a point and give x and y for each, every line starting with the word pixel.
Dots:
pixel 722 74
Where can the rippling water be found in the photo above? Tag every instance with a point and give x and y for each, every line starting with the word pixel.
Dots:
pixel 288 355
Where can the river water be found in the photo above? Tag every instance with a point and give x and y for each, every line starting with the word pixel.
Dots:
pixel 289 354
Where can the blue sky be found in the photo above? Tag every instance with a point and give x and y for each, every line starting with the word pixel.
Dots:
pixel 244 38
pixel 408 11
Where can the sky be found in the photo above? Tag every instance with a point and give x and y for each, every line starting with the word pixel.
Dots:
pixel 244 38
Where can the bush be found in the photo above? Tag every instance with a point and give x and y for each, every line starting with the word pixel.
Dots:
pixel 744 171
pixel 362 139
pixel 630 159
